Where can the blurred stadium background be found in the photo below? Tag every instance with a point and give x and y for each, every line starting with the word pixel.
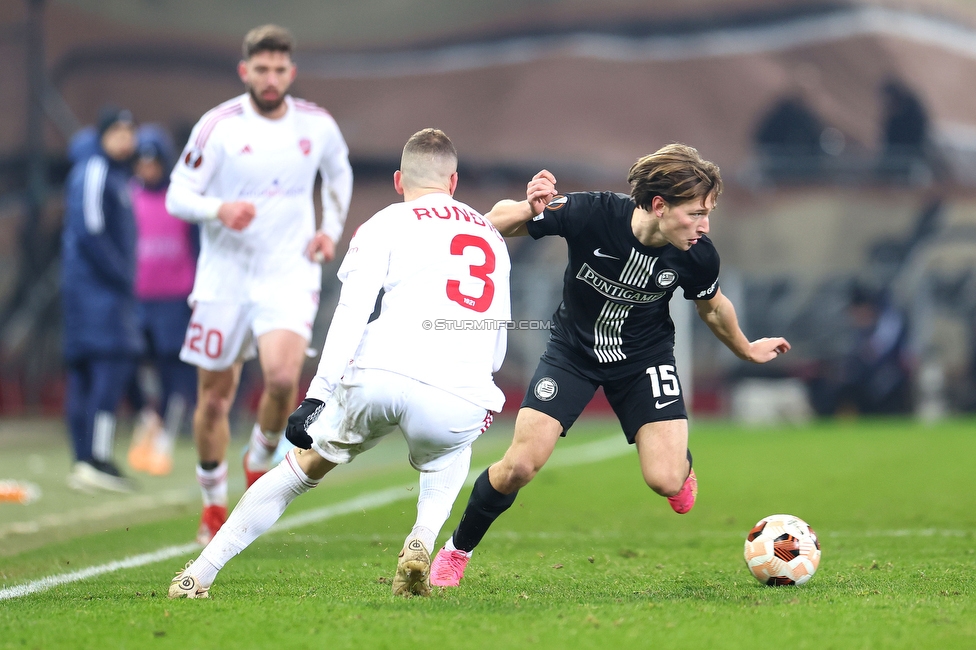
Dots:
pixel 845 130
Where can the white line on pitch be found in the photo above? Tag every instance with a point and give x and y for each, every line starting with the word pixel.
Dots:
pixel 578 455
pixel 64 578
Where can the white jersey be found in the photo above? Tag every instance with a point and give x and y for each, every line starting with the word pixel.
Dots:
pixel 444 270
pixel 235 154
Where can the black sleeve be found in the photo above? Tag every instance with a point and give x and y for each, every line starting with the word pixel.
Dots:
pixel 702 281
pixel 566 216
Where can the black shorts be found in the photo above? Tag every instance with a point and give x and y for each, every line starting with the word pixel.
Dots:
pixel 563 386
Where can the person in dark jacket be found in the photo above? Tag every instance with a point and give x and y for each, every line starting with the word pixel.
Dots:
pixel 101 333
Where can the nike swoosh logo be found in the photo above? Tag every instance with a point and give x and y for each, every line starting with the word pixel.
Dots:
pixel 599 254
pixel 658 404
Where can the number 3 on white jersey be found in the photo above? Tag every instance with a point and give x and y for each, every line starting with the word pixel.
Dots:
pixel 480 303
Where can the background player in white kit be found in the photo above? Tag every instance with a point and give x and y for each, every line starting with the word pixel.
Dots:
pixel 247 176
pixel 435 258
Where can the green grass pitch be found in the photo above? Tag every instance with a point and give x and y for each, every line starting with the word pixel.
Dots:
pixel 587 558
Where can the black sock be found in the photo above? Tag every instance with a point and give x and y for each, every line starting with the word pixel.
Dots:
pixel 689 461
pixel 207 465
pixel 484 506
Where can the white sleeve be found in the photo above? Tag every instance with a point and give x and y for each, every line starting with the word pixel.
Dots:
pixel 186 204
pixel 363 273
pixel 197 165
pixel 336 183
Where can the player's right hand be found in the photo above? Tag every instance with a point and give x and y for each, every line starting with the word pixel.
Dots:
pixel 767 349
pixel 236 215
pixel 540 191
pixel 299 422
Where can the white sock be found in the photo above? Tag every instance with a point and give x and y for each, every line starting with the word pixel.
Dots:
pixel 213 484
pixel 449 546
pixel 257 511
pixel 203 571
pixel 426 536
pixel 261 448
pixel 438 491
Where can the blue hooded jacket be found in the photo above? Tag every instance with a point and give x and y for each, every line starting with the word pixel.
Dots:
pixel 98 263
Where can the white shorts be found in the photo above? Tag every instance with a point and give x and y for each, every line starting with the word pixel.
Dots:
pixel 223 333
pixel 371 403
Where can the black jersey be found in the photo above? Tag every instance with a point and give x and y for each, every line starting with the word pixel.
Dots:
pixel 616 290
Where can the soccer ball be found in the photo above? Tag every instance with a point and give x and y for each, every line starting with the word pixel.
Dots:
pixel 782 550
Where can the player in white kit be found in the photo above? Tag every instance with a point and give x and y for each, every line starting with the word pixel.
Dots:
pixel 438 262
pixel 247 177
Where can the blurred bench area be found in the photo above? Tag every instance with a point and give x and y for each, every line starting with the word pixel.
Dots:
pixel 846 139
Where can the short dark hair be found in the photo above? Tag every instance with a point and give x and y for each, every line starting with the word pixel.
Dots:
pixel 676 173
pixel 267 38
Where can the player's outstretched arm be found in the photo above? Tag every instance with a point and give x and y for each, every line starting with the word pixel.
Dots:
pixel 510 217
pixel 719 314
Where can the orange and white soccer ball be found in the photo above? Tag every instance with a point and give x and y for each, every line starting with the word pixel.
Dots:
pixel 782 550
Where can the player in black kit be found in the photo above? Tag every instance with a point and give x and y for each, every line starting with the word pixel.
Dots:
pixel 627 255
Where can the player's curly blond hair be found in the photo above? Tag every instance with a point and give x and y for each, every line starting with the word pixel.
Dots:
pixel 677 173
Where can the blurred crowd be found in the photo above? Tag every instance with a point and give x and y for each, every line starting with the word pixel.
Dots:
pixel 885 357
pixel 795 144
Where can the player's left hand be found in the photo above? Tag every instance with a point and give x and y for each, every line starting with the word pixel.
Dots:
pixel 763 350
pixel 321 248
pixel 540 191
pixel 298 422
